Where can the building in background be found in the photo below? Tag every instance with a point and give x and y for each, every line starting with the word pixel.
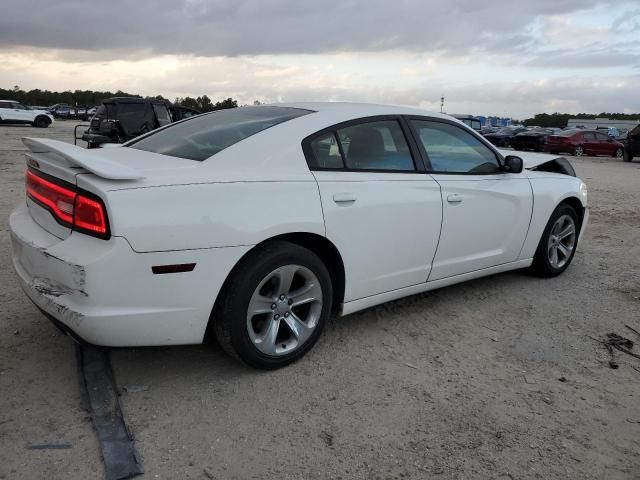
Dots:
pixel 494 121
pixel 602 123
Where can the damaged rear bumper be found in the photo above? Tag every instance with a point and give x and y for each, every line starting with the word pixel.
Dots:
pixel 105 294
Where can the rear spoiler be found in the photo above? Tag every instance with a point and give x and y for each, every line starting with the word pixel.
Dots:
pixel 91 160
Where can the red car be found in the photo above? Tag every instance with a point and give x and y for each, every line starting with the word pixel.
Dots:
pixel 584 142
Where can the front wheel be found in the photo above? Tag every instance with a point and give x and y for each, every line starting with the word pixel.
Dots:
pixel 558 243
pixel 274 305
pixel 579 151
pixel 618 153
pixel 41 122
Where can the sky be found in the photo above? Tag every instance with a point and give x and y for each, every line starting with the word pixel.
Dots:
pixel 509 58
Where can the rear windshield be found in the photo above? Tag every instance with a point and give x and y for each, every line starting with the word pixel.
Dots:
pixel 199 138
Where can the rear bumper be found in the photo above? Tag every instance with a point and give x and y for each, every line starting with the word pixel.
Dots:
pixel 104 293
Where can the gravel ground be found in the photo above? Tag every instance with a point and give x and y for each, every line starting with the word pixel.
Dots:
pixel 497 378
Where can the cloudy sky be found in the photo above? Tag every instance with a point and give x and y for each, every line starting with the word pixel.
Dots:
pixel 511 58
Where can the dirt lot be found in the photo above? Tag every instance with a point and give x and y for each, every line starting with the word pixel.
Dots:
pixel 495 379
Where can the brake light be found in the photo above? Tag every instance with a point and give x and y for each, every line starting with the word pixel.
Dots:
pixel 89 215
pixel 77 210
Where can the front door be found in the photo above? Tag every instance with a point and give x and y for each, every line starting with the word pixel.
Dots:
pixel 382 213
pixel 486 211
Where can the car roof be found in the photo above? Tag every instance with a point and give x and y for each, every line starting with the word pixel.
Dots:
pixel 355 110
pixel 12 101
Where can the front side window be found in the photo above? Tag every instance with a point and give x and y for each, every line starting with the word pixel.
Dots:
pixel 452 149
pixel 201 137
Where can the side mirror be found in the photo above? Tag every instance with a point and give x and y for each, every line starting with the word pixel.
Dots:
pixel 512 164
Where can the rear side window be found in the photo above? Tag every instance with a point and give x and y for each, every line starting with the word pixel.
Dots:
pixel 199 138
pixel 370 146
pixel 452 149
pixel 326 151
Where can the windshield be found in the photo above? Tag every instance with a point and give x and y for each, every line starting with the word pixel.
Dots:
pixel 199 138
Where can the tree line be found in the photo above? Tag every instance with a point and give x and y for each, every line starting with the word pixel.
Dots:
pixel 560 120
pixel 89 98
pixel 45 98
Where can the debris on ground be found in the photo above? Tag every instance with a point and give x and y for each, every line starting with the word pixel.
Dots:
pixel 620 343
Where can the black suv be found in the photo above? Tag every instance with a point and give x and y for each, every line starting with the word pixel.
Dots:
pixel 631 144
pixel 120 119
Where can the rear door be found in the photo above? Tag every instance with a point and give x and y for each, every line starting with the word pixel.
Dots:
pixel 380 209
pixel 605 144
pixel 486 211
pixel 590 143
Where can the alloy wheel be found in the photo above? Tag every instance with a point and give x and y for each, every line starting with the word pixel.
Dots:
pixel 284 310
pixel 619 153
pixel 562 241
pixel 579 151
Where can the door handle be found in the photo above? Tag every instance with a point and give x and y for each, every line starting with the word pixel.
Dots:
pixel 455 198
pixel 344 197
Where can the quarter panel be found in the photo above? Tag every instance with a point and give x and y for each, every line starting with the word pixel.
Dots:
pixel 184 217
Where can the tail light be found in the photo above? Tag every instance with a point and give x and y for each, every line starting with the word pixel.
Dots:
pixel 81 211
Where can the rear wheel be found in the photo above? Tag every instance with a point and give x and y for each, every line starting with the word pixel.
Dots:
pixel 618 153
pixel 579 151
pixel 274 305
pixel 558 243
pixel 41 122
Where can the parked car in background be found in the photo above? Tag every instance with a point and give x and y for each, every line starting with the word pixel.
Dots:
pixel 584 142
pixel 613 132
pixel 60 110
pixel 255 224
pixel 14 112
pixel 533 139
pixel 502 138
pixel 486 130
pixel 119 119
pixel 178 112
pixel 470 121
pixel 631 143
pixel 79 113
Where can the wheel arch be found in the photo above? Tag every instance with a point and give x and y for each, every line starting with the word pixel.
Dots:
pixel 42 116
pixel 576 204
pixel 321 246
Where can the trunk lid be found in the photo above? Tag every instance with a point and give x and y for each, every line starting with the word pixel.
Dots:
pixel 110 168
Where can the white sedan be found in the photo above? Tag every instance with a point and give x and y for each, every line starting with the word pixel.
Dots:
pixel 254 224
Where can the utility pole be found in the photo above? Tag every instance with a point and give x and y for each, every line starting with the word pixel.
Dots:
pixel 442 104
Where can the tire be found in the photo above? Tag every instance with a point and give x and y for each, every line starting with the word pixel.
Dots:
pixel 41 122
pixel 619 153
pixel 627 157
pixel 543 261
pixel 252 316
pixel 579 151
